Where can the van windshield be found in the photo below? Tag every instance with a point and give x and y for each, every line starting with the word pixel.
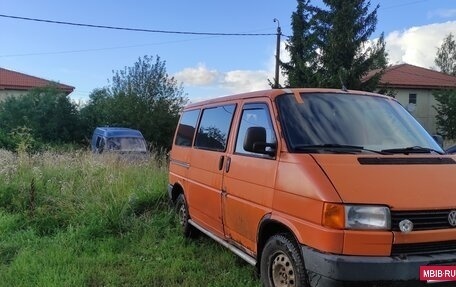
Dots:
pixel 126 144
pixel 333 122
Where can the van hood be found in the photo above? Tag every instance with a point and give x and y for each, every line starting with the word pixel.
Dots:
pixel 401 182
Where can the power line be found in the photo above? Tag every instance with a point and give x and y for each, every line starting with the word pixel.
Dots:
pixel 100 49
pixel 134 29
pixel 402 4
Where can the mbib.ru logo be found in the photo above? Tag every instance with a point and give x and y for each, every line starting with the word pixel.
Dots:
pixel 438 273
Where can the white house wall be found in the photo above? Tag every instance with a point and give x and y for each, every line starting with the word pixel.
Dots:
pixel 424 110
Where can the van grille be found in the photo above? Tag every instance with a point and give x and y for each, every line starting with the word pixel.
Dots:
pixel 423 248
pixel 422 220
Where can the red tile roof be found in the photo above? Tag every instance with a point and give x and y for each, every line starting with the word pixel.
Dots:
pixel 409 76
pixel 11 80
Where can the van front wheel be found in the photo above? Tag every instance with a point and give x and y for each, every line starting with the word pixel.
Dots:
pixel 282 264
pixel 183 216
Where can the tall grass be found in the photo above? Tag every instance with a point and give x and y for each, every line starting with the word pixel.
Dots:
pixel 76 219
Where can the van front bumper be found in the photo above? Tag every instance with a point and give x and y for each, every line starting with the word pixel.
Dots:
pixel 331 270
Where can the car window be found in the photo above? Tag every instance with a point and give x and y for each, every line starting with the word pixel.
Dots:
pixel 254 115
pixel 126 144
pixel 372 122
pixel 214 128
pixel 186 129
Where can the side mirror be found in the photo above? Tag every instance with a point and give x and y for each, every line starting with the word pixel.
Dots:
pixel 255 141
pixel 438 139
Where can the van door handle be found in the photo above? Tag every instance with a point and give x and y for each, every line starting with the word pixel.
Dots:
pixel 227 164
pixel 220 165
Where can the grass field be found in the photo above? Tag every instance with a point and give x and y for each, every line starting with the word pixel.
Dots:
pixel 75 219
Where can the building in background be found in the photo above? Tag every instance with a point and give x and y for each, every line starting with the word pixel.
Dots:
pixel 412 86
pixel 16 84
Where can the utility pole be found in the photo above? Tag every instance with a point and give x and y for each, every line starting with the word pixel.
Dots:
pixel 277 63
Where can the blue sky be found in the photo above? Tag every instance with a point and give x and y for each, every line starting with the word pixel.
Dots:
pixel 208 66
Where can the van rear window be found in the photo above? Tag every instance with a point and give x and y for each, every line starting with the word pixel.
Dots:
pixel 214 128
pixel 186 128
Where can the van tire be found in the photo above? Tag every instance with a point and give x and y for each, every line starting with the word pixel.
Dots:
pixel 282 263
pixel 183 216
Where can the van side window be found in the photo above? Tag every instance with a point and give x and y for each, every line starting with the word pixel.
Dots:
pixel 214 128
pixel 186 128
pixel 254 115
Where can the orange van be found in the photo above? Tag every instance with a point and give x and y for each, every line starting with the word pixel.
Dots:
pixel 316 187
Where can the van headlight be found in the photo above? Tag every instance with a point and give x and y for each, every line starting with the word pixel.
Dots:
pixel 356 217
pixel 367 217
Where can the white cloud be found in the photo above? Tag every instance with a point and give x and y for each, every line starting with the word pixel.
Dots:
pixel 230 82
pixel 245 81
pixel 197 76
pixel 236 81
pixel 417 45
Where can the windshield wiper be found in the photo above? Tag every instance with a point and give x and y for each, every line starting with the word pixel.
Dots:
pixel 340 148
pixel 411 149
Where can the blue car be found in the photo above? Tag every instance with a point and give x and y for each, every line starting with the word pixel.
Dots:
pixel 114 139
pixel 451 149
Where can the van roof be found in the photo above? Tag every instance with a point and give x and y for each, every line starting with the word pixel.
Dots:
pixel 273 93
pixel 118 132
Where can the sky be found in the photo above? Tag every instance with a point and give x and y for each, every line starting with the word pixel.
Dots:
pixel 207 66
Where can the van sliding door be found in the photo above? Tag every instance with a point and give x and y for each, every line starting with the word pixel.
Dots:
pixel 207 161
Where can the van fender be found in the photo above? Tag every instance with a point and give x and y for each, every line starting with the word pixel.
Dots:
pixel 272 224
pixel 177 188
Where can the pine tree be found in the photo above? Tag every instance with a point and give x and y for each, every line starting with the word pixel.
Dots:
pixel 301 70
pixel 331 48
pixel 344 33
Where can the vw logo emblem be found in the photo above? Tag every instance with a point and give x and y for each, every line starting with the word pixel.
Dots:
pixel 452 218
pixel 406 226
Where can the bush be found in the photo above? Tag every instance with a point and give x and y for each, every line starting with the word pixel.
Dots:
pixel 6 141
pixel 47 113
pixel 54 191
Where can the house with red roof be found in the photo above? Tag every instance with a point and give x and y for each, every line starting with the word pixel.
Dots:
pixel 16 84
pixel 413 87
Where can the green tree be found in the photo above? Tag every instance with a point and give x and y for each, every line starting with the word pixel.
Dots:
pixel 46 112
pixel 446 112
pixel 97 111
pixel 346 53
pixel 446 99
pixel 446 56
pixel 331 47
pixel 143 97
pixel 300 71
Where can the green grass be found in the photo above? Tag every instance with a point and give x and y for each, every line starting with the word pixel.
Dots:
pixel 76 219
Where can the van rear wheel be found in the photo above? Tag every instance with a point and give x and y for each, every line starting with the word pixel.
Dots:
pixel 183 216
pixel 282 264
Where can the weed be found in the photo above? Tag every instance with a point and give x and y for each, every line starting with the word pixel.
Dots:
pixel 77 219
